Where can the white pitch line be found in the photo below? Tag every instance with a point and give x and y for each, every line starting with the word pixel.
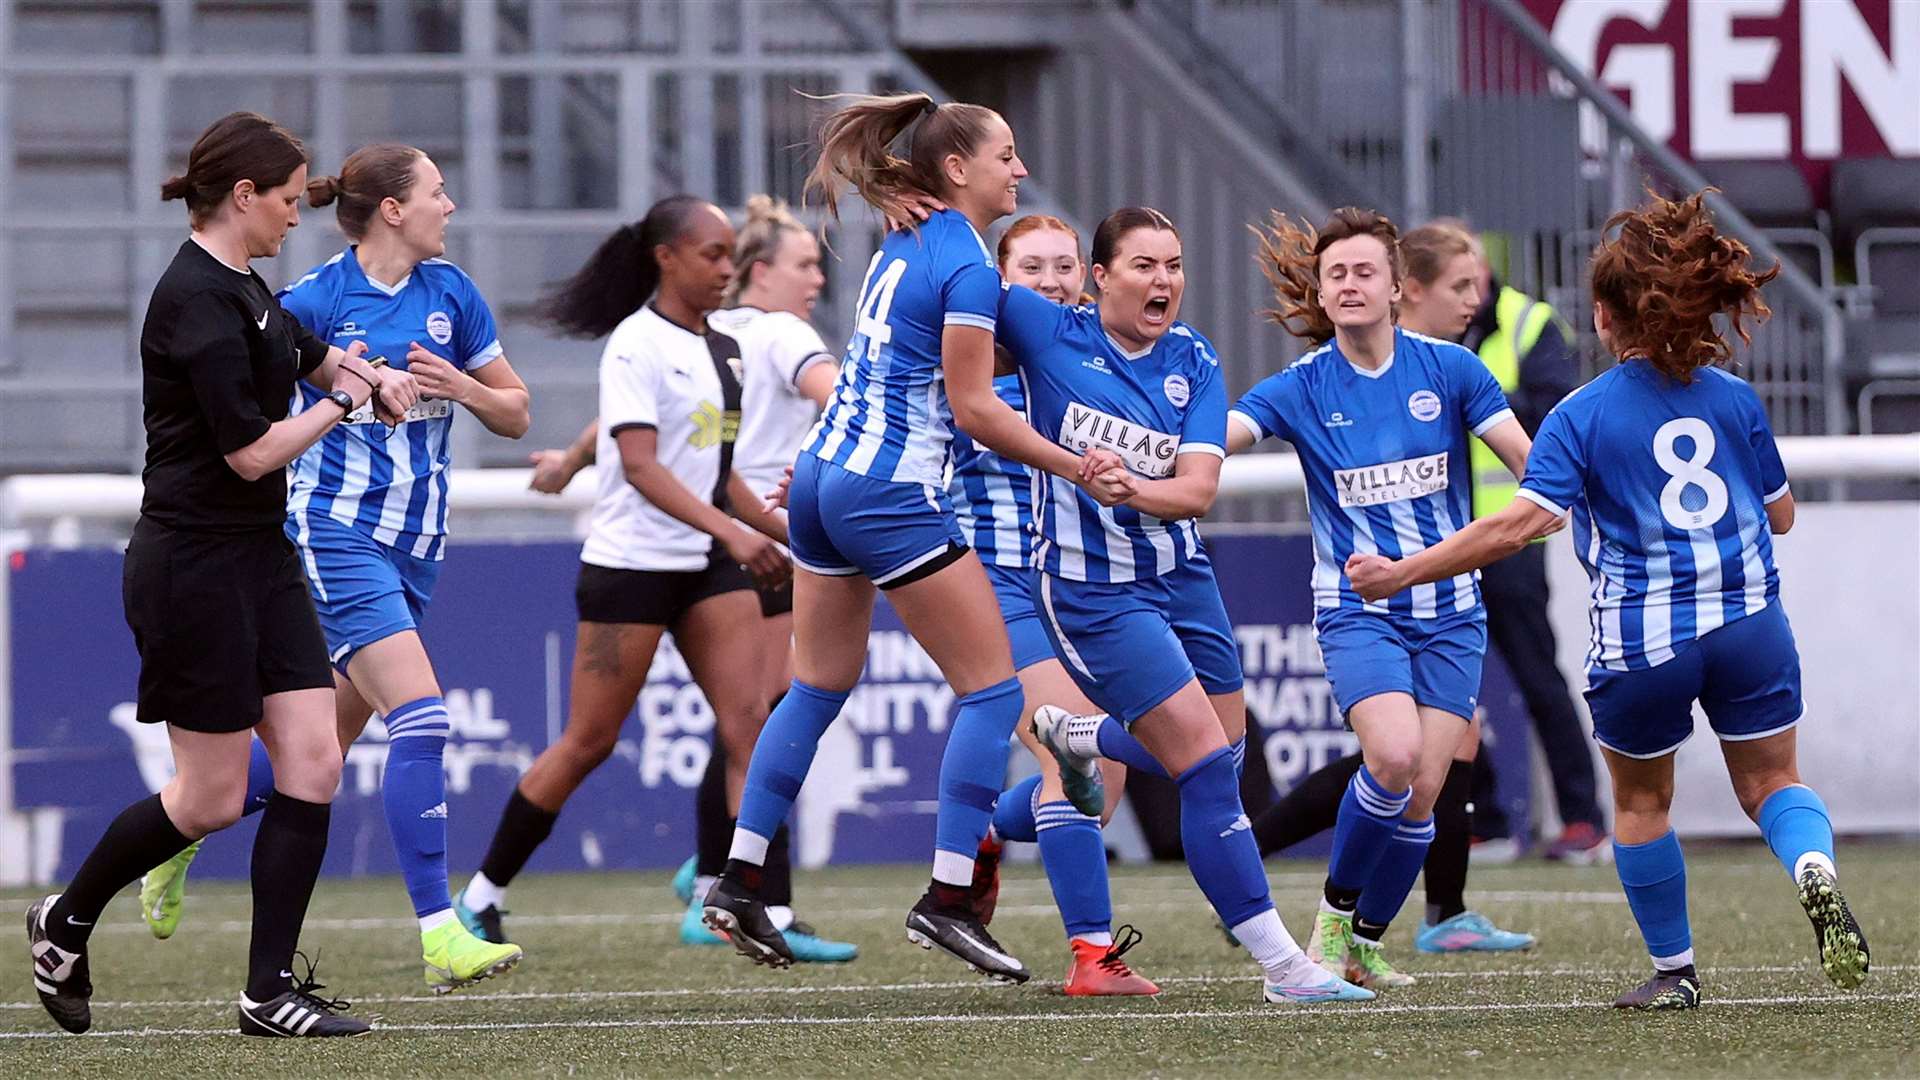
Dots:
pixel 483 997
pixel 242 926
pixel 1348 1014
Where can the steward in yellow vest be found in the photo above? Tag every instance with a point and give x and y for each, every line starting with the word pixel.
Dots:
pixel 1528 348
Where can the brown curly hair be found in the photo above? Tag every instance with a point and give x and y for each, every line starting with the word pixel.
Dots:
pixel 1290 258
pixel 1666 274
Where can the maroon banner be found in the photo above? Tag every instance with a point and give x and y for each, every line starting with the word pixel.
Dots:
pixel 1801 80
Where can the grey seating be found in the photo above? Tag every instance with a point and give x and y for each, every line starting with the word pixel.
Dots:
pixel 1774 195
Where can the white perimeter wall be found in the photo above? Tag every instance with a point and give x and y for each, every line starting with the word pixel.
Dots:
pixel 1850 581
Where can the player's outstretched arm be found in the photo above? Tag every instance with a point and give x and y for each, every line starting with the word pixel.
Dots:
pixel 1509 442
pixel 1487 540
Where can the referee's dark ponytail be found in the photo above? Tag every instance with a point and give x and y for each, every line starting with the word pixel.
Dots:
pixel 620 274
pixel 238 146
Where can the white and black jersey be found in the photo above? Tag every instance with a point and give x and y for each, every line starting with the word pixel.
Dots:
pixel 685 385
pixel 775 347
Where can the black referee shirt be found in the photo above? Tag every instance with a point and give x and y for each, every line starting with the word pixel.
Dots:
pixel 218 360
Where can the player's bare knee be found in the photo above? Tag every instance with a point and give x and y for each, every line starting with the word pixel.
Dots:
pixel 312 775
pixel 204 808
pixel 1394 766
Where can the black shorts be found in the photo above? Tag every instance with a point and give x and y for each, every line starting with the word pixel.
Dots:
pixel 776 601
pixel 654 597
pixel 220 621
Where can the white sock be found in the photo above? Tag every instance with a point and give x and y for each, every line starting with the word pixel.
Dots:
pixel 748 848
pixel 1683 958
pixel 435 921
pixel 1814 858
pixel 781 915
pixel 1083 735
pixel 701 886
pixel 953 868
pixel 1099 938
pixel 1266 937
pixel 481 894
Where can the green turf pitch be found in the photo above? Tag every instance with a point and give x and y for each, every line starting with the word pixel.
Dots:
pixel 606 989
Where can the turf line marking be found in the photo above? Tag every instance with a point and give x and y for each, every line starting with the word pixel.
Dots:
pixel 1127 1017
pixel 483 997
pixel 1046 910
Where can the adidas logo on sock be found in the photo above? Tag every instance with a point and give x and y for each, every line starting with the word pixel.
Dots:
pixel 439 811
pixel 1240 824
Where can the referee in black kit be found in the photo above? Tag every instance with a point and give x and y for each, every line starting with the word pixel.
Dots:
pixel 229 644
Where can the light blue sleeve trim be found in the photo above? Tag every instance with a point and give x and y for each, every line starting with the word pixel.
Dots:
pixel 968 318
pixel 1493 421
pixel 486 356
pixel 1542 502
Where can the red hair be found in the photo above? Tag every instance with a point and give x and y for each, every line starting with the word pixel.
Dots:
pixel 1663 278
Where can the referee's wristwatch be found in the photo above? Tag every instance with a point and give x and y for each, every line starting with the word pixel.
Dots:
pixel 342 399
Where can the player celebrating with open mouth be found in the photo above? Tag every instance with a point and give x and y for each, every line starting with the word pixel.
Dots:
pixel 1669 470
pixel 1126 593
pixel 868 510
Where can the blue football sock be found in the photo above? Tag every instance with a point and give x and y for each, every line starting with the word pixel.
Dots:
pixel 1369 816
pixel 1013 817
pixel 781 759
pixel 259 780
pixel 971 772
pixel 1117 743
pixel 1795 823
pixel 1393 878
pixel 1075 858
pixel 1218 838
pixel 414 789
pixel 1239 749
pixel 1655 877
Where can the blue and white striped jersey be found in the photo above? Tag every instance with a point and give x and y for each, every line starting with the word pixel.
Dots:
pixel 992 495
pixel 1381 451
pixel 391 484
pixel 1668 486
pixel 888 417
pixel 1085 392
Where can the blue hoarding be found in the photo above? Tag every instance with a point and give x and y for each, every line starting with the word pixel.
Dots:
pixel 501 636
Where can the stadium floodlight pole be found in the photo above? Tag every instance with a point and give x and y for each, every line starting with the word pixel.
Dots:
pixel 1727 215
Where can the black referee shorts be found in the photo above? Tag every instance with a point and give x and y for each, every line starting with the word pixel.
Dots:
pixel 221 621
pixel 653 597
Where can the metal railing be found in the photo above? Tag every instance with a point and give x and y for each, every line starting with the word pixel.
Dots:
pixel 1466 107
pixel 548 139
pixel 1795 361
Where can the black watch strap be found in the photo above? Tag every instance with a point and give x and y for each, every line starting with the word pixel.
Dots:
pixel 342 399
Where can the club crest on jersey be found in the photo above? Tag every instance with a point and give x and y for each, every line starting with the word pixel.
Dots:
pixel 1424 405
pixel 1143 450
pixel 439 327
pixel 1175 387
pixel 1392 481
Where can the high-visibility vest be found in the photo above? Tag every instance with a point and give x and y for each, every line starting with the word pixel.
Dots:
pixel 1519 321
